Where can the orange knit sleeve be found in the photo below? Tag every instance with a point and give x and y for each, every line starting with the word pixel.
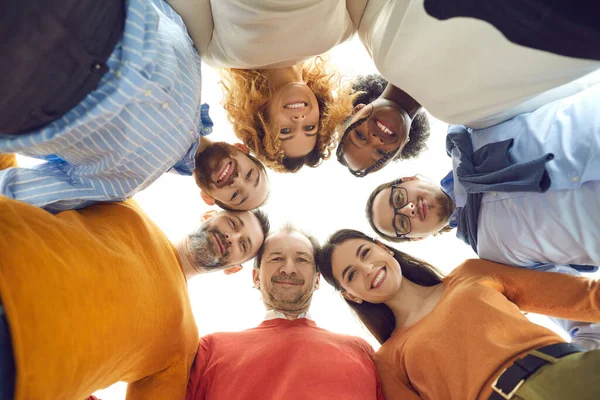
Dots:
pixel 549 293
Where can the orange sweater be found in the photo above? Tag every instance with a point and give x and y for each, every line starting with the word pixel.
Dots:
pixel 92 297
pixel 283 359
pixel 476 330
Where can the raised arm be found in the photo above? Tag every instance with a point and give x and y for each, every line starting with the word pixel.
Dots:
pixel 48 186
pixel 554 294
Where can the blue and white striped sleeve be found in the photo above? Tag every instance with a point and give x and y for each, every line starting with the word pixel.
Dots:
pixel 48 186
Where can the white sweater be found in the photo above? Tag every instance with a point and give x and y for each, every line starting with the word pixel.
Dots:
pixel 463 70
pixel 266 33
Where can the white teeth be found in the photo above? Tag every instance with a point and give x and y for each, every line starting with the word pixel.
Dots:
pixel 225 172
pixel 295 105
pixel 384 128
pixel 378 278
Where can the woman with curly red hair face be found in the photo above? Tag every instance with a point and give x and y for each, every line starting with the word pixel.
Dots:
pixel 287 116
pixel 283 99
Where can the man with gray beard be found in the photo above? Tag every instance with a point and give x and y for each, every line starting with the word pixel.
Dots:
pixel 107 288
pixel 287 356
pixel 224 241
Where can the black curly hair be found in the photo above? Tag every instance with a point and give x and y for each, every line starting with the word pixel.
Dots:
pixel 369 88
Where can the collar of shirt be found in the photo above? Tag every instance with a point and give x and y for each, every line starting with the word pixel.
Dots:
pixel 447 184
pixel 274 314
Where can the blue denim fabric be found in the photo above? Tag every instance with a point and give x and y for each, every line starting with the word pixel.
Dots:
pixel 7 362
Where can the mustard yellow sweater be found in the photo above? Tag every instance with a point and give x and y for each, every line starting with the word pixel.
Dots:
pixel 92 297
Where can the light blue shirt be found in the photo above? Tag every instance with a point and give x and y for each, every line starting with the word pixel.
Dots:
pixel 562 225
pixel 143 120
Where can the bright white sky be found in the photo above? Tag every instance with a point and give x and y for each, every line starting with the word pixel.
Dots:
pixel 318 200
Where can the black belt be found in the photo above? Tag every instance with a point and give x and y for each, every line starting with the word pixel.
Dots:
pixel 511 379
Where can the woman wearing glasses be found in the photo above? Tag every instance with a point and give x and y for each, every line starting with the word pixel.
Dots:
pixel 463 336
pixel 386 124
pixel 283 100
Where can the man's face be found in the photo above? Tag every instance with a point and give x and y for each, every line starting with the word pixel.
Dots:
pixel 416 205
pixel 231 177
pixel 228 238
pixel 384 131
pixel 287 275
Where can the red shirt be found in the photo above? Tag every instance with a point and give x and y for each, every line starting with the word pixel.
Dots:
pixel 283 359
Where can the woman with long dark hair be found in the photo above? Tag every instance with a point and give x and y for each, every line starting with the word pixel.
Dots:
pixel 463 336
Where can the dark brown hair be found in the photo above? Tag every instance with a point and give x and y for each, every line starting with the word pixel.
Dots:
pixel 378 318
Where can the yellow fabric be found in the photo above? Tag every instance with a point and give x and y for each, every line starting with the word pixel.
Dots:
pixel 92 297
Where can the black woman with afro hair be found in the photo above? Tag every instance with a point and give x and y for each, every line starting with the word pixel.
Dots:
pixel 386 124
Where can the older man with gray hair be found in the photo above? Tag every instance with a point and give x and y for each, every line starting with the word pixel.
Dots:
pixel 287 356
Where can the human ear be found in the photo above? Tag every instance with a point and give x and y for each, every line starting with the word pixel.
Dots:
pixel 358 107
pixel 318 280
pixel 207 199
pixel 208 215
pixel 233 269
pixel 352 298
pixel 256 277
pixel 410 178
pixel 242 147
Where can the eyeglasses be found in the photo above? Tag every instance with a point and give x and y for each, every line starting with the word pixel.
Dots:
pixel 398 200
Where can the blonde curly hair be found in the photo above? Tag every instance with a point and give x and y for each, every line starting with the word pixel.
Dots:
pixel 246 94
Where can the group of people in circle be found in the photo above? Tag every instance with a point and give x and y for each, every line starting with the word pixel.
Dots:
pixel 521 95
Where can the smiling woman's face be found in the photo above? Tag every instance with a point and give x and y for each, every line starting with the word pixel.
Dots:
pixel 366 270
pixel 293 115
pixel 385 130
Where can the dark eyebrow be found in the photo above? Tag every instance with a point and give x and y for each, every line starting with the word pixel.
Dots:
pixel 257 178
pixel 304 253
pixel 358 250
pixel 249 245
pixel 243 200
pixel 287 138
pixel 239 220
pixel 346 270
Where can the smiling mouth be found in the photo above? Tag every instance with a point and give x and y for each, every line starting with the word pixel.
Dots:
pixel 379 278
pixel 384 129
pixel 225 172
pixel 296 105
pixel 220 244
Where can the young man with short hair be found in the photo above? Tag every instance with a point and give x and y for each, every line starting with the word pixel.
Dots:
pixel 98 295
pixel 108 95
pixel 522 193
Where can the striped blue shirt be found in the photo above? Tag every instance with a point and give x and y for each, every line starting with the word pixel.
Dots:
pixel 144 119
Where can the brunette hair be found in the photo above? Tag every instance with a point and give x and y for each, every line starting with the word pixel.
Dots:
pixel 378 318
pixel 246 94
pixel 369 213
pixel 366 89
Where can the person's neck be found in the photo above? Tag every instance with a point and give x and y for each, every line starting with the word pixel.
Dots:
pixel 279 77
pixel 190 269
pixel 413 302
pixel 291 315
pixel 403 99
